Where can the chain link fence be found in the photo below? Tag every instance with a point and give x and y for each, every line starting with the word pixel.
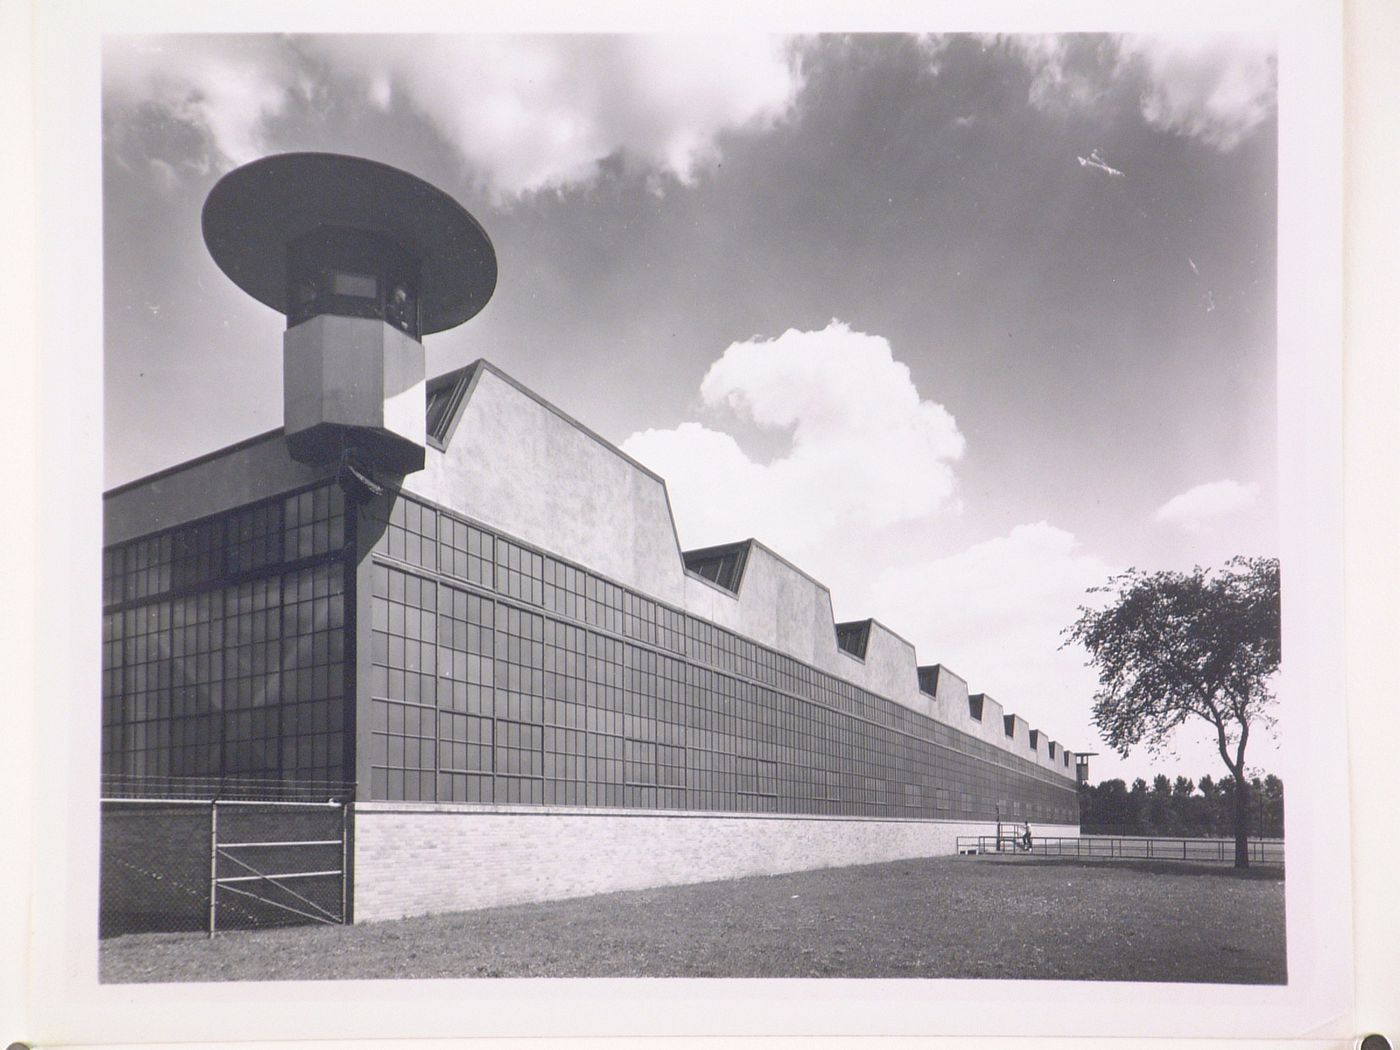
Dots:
pixel 181 864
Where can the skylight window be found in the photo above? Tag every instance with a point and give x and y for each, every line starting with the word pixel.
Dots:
pixel 722 566
pixel 928 680
pixel 853 637
pixel 445 394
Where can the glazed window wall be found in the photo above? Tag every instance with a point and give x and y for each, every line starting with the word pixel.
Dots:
pixel 223 651
pixel 503 674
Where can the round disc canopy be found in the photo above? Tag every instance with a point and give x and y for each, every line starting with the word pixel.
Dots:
pixel 255 211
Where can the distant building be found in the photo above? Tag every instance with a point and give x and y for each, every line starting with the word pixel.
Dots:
pixel 455 605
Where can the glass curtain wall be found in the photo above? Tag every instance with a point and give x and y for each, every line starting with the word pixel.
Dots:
pixel 223 649
pixel 502 674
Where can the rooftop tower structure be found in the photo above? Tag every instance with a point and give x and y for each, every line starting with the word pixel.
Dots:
pixel 364 260
pixel 1081 765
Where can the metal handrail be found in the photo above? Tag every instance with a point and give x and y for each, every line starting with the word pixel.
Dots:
pixel 1121 847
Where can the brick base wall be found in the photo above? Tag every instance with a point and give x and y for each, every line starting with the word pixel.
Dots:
pixel 423 859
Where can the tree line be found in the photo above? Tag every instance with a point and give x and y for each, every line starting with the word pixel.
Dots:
pixel 1184 808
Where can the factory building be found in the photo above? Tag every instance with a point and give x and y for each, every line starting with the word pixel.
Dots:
pixel 457 608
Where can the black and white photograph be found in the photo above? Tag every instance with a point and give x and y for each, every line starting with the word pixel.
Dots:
pixel 812 509
pixel 741 546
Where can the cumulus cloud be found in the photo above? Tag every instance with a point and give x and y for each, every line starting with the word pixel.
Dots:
pixel 524 113
pixel 1061 67
pixel 1216 88
pixel 993 613
pixel 1196 507
pixel 529 113
pixel 223 90
pixel 866 449
pixel 933 46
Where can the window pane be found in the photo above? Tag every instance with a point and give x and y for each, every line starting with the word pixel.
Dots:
pixel 359 285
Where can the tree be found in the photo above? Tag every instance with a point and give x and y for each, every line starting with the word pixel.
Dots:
pixel 1137 808
pixel 1107 806
pixel 1159 805
pixel 1211 792
pixel 1170 647
pixel 1087 796
pixel 1182 805
pixel 1272 823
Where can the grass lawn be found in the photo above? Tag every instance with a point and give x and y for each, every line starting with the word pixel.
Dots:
pixel 939 917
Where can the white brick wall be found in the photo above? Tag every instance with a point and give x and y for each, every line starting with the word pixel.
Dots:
pixel 417 859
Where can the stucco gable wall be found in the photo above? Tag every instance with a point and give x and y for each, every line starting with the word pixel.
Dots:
pixel 777 606
pixel 890 668
pixel 1019 739
pixel 950 704
pixel 515 464
pixel 992 728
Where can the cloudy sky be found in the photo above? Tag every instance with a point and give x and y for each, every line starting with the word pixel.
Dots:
pixel 961 325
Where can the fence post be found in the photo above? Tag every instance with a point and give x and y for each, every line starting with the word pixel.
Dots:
pixel 213 863
pixel 344 859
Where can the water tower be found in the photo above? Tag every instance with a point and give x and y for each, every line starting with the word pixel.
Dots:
pixel 364 260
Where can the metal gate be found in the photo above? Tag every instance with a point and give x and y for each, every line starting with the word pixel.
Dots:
pixel 278 860
pixel 181 864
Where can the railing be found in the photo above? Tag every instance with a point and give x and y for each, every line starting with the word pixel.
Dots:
pixel 1124 847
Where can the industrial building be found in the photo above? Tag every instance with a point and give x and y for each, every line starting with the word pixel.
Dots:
pixel 453 606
